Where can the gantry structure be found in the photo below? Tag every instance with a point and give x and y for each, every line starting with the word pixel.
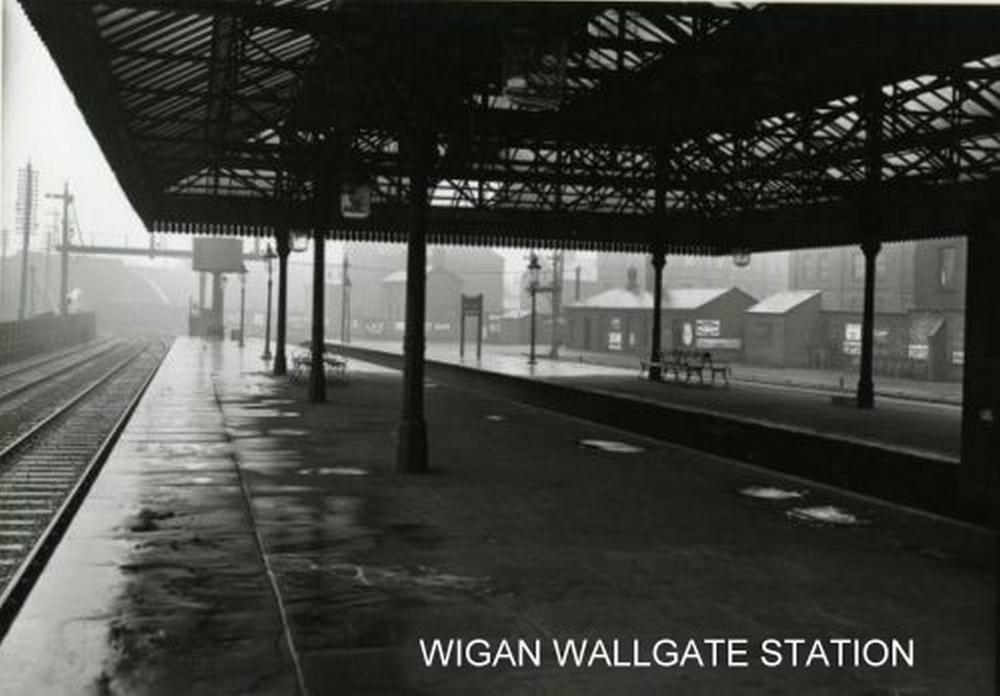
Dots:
pixel 708 128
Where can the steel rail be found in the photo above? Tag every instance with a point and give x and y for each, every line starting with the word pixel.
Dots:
pixel 20 389
pixel 47 358
pixel 20 584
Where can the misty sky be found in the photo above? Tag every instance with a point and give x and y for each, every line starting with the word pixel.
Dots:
pixel 41 122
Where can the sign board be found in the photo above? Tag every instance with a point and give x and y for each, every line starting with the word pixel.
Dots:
pixel 472 304
pixel 958 357
pixel 918 351
pixel 217 255
pixel 719 343
pixel 852 348
pixel 614 340
pixel 852 332
pixel 707 327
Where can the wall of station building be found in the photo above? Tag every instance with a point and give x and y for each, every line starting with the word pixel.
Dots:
pixel 919 322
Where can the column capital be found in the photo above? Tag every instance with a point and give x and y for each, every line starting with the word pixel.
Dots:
pixel 871 247
pixel 658 256
pixel 282 242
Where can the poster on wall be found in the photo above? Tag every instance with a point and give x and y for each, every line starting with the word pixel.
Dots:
pixel 707 327
pixel 687 335
pixel 719 343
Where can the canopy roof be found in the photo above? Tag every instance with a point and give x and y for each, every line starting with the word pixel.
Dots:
pixel 707 127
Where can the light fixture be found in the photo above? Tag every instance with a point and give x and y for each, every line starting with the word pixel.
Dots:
pixel 741 258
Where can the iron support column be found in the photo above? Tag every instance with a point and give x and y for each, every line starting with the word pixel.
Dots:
pixel 866 385
pixel 243 306
pixel 412 445
pixel 659 260
pixel 531 354
pixel 317 375
pixel 218 306
pixel 345 301
pixel 655 353
pixel 978 477
pixel 873 105
pixel 266 355
pixel 280 361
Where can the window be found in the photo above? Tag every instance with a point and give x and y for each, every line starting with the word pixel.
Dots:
pixel 946 268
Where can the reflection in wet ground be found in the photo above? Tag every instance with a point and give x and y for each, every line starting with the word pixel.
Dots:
pixel 771 493
pixel 313 521
pixel 826 514
pixel 611 446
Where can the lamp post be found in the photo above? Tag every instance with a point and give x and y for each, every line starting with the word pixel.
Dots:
pixel 534 271
pixel 243 304
pixel 269 256
pixel 534 268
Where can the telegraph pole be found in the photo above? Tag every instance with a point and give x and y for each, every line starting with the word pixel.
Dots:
pixel 66 199
pixel 28 208
pixel 345 302
pixel 3 270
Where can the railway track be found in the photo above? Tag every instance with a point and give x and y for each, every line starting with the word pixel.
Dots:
pixel 10 373
pixel 48 466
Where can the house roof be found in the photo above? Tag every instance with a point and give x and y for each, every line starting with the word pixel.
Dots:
pixel 679 298
pixel 783 302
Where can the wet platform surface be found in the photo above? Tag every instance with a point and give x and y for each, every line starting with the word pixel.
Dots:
pixel 227 485
pixel 927 429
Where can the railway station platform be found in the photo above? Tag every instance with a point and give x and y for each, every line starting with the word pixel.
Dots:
pixel 243 540
pixel 928 428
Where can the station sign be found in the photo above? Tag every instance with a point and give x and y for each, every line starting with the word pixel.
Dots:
pixel 217 255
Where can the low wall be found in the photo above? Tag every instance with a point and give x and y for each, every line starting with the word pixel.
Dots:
pixel 41 334
pixel 925 482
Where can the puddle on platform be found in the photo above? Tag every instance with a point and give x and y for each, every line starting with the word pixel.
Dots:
pixel 770 493
pixel 396 577
pixel 310 521
pixel 334 471
pixel 287 432
pixel 267 489
pixel 825 514
pixel 611 446
pixel 494 417
pixel 147 520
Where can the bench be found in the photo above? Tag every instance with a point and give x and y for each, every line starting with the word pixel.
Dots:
pixel 688 362
pixel 302 364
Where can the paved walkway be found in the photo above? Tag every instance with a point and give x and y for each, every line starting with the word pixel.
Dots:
pixel 522 532
pixel 929 429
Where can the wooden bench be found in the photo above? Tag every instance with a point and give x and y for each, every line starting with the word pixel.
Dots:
pixel 302 364
pixel 687 362
pixel 717 368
